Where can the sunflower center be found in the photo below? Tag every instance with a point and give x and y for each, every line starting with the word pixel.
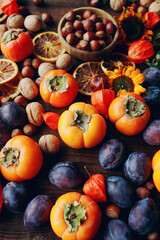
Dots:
pixel 123 83
pixel 133 27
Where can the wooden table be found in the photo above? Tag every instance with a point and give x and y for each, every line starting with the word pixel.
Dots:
pixel 11 225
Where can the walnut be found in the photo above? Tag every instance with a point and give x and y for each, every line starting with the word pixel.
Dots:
pixel 155 7
pixel 44 68
pixel 146 3
pixel 49 144
pixel 64 61
pixel 15 20
pixel 34 111
pixel 117 5
pixel 28 88
pixel 33 23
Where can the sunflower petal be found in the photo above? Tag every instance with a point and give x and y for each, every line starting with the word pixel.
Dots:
pixel 138 79
pixel 138 89
pixel 110 74
pixel 135 73
pixel 128 71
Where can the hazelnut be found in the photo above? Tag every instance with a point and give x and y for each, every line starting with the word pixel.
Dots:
pixel 64 32
pixel 79 34
pixel 21 100
pixel 49 144
pixel 102 43
pixel 33 23
pixel 94 3
pixel 88 25
pixel 29 129
pixel 47 18
pixel 87 14
pixel 94 45
pixel 16 132
pixel 71 38
pixel 34 112
pixel 70 16
pixel 24 11
pixel 27 62
pixel 64 61
pixel 27 72
pixel 100 26
pixel 28 88
pixel 142 10
pixel 142 192
pixel 153 236
pixel 38 2
pixel 38 81
pixel 83 45
pixel 15 20
pixel 89 36
pixel 69 27
pixel 150 185
pixel 100 34
pixel 44 68
pixel 5 100
pixel 112 211
pixel 77 25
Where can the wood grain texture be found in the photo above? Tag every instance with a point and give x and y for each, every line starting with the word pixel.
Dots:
pixel 11 225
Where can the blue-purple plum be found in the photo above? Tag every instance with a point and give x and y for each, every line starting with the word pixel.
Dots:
pixel 151 134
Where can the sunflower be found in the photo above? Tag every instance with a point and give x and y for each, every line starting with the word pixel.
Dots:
pixel 132 27
pixel 126 79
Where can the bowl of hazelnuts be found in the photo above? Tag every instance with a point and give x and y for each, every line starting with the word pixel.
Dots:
pixel 88 33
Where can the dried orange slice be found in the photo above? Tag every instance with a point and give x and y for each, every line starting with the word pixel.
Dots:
pixel 84 73
pixel 9 78
pixel 47 46
pixel 2 15
pixel 115 60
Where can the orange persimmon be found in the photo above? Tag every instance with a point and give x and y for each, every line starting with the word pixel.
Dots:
pixel 129 113
pixel 81 126
pixel 16 45
pixel 156 169
pixel 58 88
pixel 20 159
pixel 64 220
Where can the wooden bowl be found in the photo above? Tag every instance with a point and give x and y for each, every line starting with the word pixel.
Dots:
pixel 88 55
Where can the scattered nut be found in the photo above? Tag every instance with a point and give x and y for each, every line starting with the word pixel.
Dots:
pixel 38 81
pixel 16 132
pixel 38 2
pixel 150 185
pixel 142 10
pixel 34 112
pixel 47 18
pixel 44 68
pixel 145 3
pixel 117 5
pixel 21 100
pixel 27 72
pixel 29 129
pixel 112 211
pixel 64 61
pixel 15 20
pixel 153 236
pixel 155 7
pixel 4 100
pixel 23 10
pixel 49 143
pixel 33 23
pixel 142 192
pixel 28 88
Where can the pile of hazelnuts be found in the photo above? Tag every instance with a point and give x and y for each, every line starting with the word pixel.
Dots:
pixel 88 31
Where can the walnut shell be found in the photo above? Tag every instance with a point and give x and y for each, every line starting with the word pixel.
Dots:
pixel 44 68
pixel 28 88
pixel 34 112
pixel 117 5
pixel 155 7
pixel 33 23
pixel 15 20
pixel 49 144
pixel 146 3
pixel 64 61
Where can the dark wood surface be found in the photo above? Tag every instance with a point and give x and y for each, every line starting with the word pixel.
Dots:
pixel 11 225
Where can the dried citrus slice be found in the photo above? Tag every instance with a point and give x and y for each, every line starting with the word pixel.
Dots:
pixel 84 73
pixel 9 78
pixel 47 46
pixel 2 15
pixel 115 60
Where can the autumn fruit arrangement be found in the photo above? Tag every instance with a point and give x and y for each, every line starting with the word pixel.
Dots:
pixel 40 78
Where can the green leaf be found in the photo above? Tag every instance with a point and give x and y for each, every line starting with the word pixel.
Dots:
pixel 133 107
pixel 74 215
pixel 10 35
pixel 57 83
pixel 81 120
pixel 11 157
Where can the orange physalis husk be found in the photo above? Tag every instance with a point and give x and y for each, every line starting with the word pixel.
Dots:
pixel 95 188
pixel 51 119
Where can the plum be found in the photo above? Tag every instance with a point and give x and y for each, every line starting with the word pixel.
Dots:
pixel 15 197
pixel 65 175
pixel 37 212
pixel 152 77
pixel 117 230
pixel 137 168
pixel 13 114
pixel 4 133
pixel 143 216
pixel 119 191
pixel 152 95
pixel 111 154
pixel 151 134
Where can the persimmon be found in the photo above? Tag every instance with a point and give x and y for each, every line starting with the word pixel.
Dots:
pixel 129 113
pixel 58 88
pixel 65 222
pixel 16 45
pixel 81 126
pixel 156 169
pixel 20 159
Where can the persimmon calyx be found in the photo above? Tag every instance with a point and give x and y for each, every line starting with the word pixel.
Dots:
pixel 81 120
pixel 10 35
pixel 11 157
pixel 74 215
pixel 57 83
pixel 133 107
